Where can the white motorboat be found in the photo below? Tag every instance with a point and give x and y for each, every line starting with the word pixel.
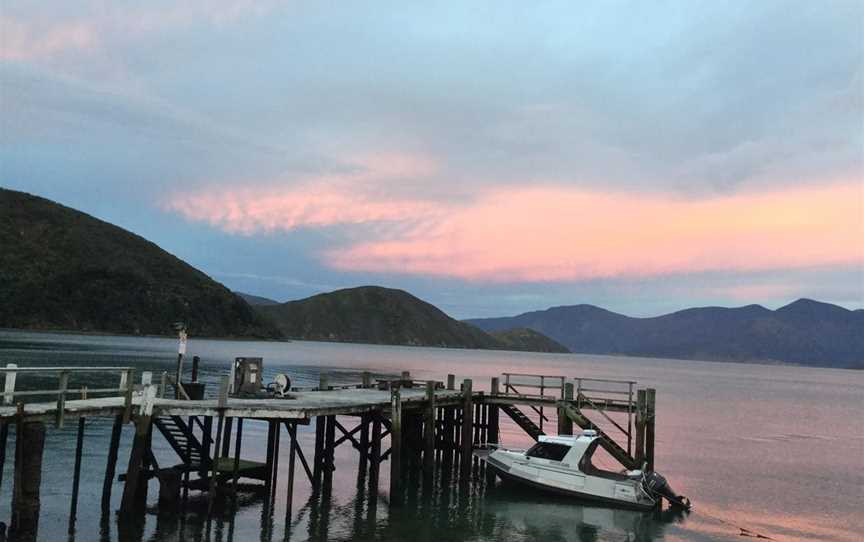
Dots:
pixel 562 464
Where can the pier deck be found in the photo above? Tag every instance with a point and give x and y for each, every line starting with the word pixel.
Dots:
pixel 298 406
pixel 425 424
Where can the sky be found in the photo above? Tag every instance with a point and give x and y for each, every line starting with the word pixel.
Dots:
pixel 489 157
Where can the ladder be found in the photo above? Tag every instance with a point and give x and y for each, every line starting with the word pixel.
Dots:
pixel 522 421
pixel 181 438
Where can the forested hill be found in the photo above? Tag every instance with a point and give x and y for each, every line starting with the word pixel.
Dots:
pixel 63 269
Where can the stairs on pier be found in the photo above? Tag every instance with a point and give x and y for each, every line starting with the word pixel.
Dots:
pixel 181 438
pixel 606 441
pixel 522 421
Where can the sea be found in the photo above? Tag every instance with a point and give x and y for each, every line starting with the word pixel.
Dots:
pixel 763 452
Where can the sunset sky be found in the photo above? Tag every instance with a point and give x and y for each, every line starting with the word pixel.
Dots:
pixel 491 158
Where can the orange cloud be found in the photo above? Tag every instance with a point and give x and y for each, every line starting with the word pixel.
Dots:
pixel 559 233
pixel 548 232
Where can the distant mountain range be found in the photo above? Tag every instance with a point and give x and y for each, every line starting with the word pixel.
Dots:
pixel 805 332
pixel 372 314
pixel 63 269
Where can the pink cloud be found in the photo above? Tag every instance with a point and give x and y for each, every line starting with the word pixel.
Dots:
pixel 352 198
pixel 548 232
pixel 22 42
pixel 552 233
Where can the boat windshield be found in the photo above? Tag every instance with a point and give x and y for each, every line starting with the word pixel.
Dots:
pixel 548 450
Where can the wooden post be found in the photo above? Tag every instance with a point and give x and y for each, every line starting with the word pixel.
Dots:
pixel 29 445
pixel 221 404
pixel 375 453
pixel 4 437
pixel 9 385
pixel 493 430
pixel 650 400
pixel 76 476
pixel 126 386
pixel 364 447
pixel 61 398
pixel 238 441
pixel 178 376
pixel 429 431
pixel 111 465
pixel 565 424
pixel 406 378
pixel 465 437
pixel 277 434
pixel 395 446
pixel 451 382
pixel 137 455
pixel 367 379
pixel 268 477
pixel 226 438
pixel 329 451
pixel 195 361
pixel 289 498
pixel 318 458
pixel 641 414
pixel 323 382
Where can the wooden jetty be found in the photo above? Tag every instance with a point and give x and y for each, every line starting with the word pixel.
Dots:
pixel 424 425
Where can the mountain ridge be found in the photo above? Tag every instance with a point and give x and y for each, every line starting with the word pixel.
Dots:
pixel 805 331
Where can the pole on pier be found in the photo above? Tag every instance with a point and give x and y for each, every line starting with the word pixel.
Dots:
pixel 289 498
pixel 29 445
pixel 268 477
pixel 364 447
pixel 4 437
pixel 111 465
pixel 217 448
pixel 492 435
pixel 195 361
pixel 76 476
pixel 323 382
pixel 277 436
pixel 395 446
pixel 238 441
pixel 451 382
pixel 329 451
pixel 137 456
pixel 318 458
pixel 565 424
pixel 465 438
pixel 429 431
pixel 375 453
pixel 367 379
pixel 650 400
pixel 641 415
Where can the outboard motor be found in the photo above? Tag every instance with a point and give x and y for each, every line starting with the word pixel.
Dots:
pixel 656 485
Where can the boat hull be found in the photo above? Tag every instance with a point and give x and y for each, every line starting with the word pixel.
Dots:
pixel 510 475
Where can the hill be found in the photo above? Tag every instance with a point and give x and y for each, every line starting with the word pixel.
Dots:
pixel 528 340
pixel 376 315
pixel 257 299
pixel 805 332
pixel 63 269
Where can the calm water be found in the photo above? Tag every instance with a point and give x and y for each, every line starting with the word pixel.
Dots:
pixel 776 450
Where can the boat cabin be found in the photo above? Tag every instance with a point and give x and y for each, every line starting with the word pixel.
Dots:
pixel 574 452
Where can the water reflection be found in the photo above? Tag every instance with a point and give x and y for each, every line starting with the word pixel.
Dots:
pixel 435 510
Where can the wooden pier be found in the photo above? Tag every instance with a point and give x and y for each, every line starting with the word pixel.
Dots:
pixel 412 425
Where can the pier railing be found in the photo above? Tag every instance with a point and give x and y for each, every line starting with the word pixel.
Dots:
pixel 63 391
